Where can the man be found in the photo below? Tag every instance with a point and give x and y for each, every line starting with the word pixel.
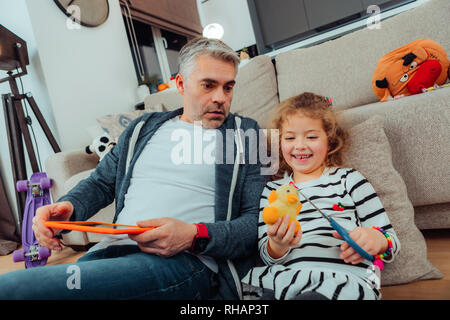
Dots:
pixel 205 213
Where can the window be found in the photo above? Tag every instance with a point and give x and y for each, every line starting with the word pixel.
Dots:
pixel 155 52
pixel 277 26
pixel 157 30
pixel 172 44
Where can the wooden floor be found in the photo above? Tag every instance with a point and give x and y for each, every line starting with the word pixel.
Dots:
pixel 67 255
pixel 438 242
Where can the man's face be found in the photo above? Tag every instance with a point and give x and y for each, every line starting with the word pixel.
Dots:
pixel 208 91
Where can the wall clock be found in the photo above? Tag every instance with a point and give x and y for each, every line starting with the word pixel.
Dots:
pixel 88 13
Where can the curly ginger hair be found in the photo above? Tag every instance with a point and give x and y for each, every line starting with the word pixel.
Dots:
pixel 317 107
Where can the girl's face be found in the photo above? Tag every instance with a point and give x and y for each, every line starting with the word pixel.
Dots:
pixel 304 145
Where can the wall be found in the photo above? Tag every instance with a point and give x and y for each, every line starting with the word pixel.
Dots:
pixel 75 75
pixel 234 17
pixel 89 71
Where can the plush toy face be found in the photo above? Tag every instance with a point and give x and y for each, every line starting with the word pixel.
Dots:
pixel 101 145
pixel 286 194
pixel 408 69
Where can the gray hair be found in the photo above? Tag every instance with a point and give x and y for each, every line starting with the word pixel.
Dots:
pixel 204 46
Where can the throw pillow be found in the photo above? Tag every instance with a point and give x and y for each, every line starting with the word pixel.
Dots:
pixel 156 108
pixel 370 153
pixel 256 91
pixel 115 124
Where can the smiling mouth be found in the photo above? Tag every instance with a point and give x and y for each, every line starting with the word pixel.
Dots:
pixel 301 156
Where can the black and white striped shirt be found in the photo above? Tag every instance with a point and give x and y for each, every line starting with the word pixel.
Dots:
pixel 315 265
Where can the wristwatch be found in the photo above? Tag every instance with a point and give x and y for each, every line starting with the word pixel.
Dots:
pixel 201 239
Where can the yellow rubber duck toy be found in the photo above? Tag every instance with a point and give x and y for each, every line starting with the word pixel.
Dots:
pixel 284 200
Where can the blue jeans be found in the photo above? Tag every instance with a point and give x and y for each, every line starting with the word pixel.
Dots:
pixel 116 272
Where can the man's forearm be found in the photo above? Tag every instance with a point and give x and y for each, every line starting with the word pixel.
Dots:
pixel 232 239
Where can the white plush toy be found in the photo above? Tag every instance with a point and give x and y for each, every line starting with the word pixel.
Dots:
pixel 101 145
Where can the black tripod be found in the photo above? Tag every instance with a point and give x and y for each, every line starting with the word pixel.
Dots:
pixel 17 127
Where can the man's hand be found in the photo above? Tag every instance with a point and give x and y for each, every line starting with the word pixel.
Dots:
pixel 371 240
pixel 60 211
pixel 170 236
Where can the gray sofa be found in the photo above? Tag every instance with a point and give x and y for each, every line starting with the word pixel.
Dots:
pixel 417 127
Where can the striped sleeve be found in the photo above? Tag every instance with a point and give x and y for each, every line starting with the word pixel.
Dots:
pixel 262 228
pixel 369 209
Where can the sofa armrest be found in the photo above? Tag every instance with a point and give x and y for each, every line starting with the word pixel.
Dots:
pixel 63 165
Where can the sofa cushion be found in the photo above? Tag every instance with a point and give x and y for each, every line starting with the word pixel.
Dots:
pixel 436 216
pixel 418 130
pixel 370 153
pixel 116 123
pixel 342 69
pixel 256 92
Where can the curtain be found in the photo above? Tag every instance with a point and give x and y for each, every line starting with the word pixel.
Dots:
pixel 179 16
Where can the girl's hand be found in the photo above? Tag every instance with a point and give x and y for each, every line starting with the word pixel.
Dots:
pixel 371 240
pixel 281 237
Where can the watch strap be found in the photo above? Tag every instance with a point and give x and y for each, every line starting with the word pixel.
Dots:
pixel 202 233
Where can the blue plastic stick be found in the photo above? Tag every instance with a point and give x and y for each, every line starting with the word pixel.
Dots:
pixel 343 233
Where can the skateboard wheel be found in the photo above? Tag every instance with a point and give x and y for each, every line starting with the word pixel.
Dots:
pixel 22 185
pixel 46 183
pixel 44 253
pixel 18 255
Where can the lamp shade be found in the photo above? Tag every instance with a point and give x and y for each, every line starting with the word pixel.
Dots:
pixel 214 31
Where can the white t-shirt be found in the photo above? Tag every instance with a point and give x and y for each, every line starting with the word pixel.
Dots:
pixel 174 176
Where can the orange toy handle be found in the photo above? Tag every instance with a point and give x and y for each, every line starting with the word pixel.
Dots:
pixel 92 226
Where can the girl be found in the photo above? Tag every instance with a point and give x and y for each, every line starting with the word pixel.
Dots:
pixel 315 263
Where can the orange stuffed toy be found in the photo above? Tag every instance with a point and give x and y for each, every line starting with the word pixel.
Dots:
pixel 283 201
pixel 410 69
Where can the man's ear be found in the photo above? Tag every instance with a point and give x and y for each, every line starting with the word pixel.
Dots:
pixel 179 80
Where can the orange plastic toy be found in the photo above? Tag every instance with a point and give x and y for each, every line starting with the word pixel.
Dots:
pixel 163 86
pixel 92 226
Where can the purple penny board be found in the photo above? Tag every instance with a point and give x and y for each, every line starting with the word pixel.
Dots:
pixel 38 195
